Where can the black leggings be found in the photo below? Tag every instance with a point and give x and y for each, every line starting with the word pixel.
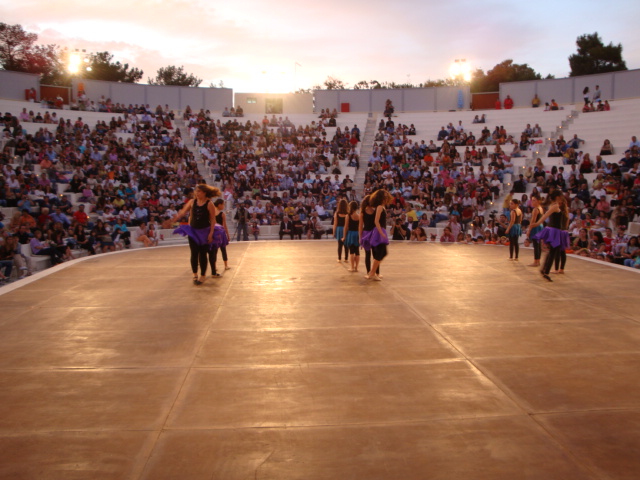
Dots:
pixel 554 252
pixel 213 254
pixel 354 250
pixel 379 252
pixel 514 246
pixel 537 249
pixel 346 250
pixel 198 257
pixel 561 260
pixel 223 250
pixel 367 262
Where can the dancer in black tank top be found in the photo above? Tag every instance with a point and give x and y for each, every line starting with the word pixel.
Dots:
pixel 554 234
pixel 350 236
pixel 378 238
pixel 339 220
pixel 365 227
pixel 221 219
pixel 200 229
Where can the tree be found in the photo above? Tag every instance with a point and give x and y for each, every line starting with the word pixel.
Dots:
pixel 15 44
pixel 332 83
pixel 503 72
pixel 103 68
pixel 19 53
pixel 172 75
pixel 594 57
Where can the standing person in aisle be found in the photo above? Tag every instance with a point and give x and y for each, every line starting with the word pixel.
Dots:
pixel 202 221
pixel 350 239
pixel 339 219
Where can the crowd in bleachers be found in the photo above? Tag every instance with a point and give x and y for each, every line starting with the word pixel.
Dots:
pixel 73 185
pixel 275 168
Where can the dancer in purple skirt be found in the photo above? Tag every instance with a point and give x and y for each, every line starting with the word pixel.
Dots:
pixel 554 234
pixel 374 238
pixel 200 230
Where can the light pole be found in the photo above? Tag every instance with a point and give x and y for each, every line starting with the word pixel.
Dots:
pixel 78 62
pixel 460 71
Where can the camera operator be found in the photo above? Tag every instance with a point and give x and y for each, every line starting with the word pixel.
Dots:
pixel 399 231
pixel 242 217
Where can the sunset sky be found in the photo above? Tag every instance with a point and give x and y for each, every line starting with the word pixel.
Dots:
pixel 253 46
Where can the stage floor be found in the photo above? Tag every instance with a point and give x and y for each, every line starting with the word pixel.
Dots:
pixel 459 365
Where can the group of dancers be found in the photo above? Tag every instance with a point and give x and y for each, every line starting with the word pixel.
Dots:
pixel 367 229
pixel 554 234
pixel 207 231
pixel 363 228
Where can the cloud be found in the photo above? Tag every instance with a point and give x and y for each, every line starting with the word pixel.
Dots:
pixel 353 40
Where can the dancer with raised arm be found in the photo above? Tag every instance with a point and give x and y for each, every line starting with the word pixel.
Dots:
pixel 202 221
pixel 554 234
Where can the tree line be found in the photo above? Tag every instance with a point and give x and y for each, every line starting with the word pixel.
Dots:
pixel 592 56
pixel 19 52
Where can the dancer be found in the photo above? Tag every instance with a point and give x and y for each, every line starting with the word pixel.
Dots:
pixel 350 237
pixel 339 220
pixel 223 236
pixel 366 225
pixel 376 238
pixel 536 213
pixel 202 221
pixel 514 230
pixel 554 234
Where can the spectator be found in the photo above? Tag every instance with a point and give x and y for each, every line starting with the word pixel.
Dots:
pixel 535 103
pixel 508 103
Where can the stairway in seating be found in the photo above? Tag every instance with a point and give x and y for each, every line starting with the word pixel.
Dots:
pixel 203 170
pixel 365 152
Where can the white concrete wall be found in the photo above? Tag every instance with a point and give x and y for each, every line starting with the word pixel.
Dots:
pixel 13 84
pixel 614 86
pixel 291 102
pixel 214 99
pixel 404 100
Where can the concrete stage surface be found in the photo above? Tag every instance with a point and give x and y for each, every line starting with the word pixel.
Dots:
pixel 458 365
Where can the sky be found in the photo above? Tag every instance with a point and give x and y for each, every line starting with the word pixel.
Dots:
pixel 279 46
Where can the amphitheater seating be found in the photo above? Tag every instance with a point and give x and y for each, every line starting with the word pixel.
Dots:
pixel 618 125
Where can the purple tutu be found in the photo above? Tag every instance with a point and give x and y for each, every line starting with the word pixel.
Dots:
pixel 554 237
pixel 199 235
pixel 220 238
pixel 372 238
